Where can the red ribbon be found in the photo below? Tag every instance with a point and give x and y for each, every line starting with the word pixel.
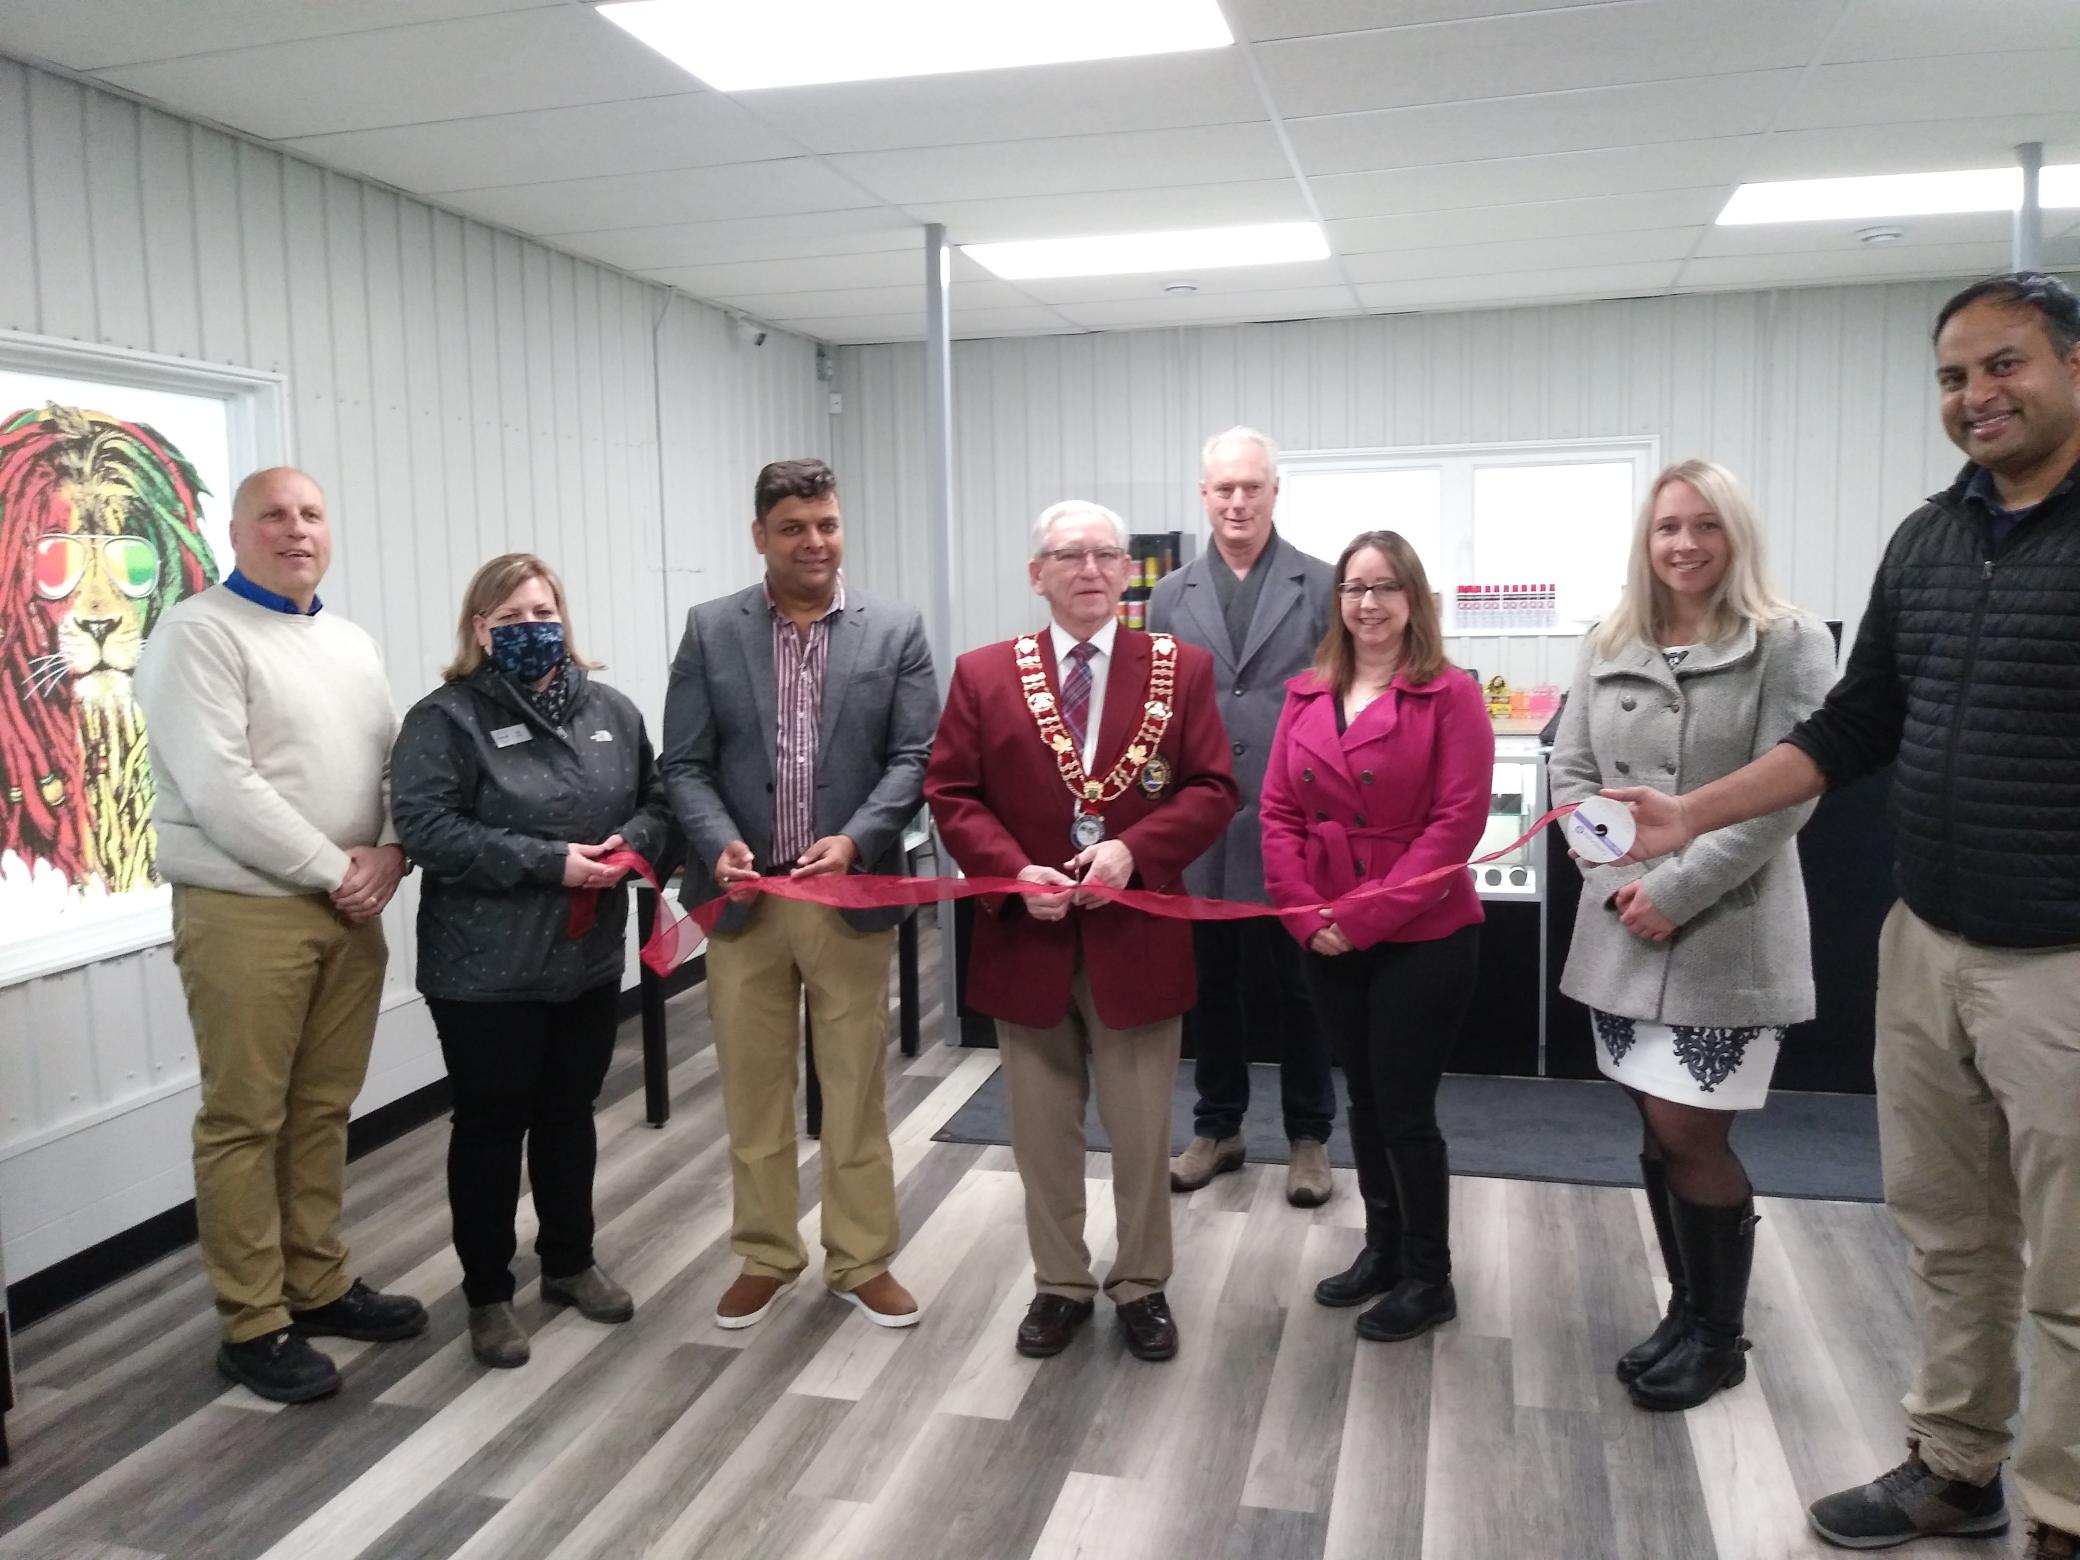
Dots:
pixel 678 934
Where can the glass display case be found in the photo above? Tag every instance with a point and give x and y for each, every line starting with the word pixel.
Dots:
pixel 1516 800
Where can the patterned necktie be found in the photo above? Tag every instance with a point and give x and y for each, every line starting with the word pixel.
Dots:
pixel 1076 693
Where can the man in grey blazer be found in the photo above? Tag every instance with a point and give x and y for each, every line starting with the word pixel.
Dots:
pixel 1261 606
pixel 796 730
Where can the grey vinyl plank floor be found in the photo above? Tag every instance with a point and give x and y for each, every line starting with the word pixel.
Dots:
pixel 1275 1435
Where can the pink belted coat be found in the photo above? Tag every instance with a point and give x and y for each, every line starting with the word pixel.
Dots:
pixel 1403 790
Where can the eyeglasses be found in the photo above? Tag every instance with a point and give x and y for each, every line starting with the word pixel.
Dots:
pixel 61 563
pixel 1352 590
pixel 1076 557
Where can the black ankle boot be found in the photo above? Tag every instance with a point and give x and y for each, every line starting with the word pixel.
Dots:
pixel 1633 1363
pixel 1373 1273
pixel 1718 1247
pixel 1415 1305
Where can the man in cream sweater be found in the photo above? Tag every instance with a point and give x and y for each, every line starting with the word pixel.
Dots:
pixel 270 725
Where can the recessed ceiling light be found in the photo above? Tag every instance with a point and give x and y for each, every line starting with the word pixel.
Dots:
pixel 1128 254
pixel 790 43
pixel 1897 195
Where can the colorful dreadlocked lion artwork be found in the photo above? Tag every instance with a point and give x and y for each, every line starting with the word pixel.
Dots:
pixel 99 535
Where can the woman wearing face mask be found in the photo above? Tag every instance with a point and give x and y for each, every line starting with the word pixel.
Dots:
pixel 509 782
pixel 1380 772
pixel 1693 966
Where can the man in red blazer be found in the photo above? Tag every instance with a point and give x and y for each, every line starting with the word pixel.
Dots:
pixel 1085 753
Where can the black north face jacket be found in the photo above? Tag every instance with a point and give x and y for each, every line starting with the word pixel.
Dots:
pixel 1966 670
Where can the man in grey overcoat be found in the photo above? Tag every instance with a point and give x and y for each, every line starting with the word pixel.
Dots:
pixel 796 730
pixel 1261 606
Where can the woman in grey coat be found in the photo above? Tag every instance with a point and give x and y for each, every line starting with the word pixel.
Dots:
pixel 509 782
pixel 1692 967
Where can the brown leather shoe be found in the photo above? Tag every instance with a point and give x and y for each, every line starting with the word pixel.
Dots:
pixel 885 1302
pixel 1050 1322
pixel 2050 1543
pixel 1203 1160
pixel 1308 1183
pixel 1151 1330
pixel 747 1300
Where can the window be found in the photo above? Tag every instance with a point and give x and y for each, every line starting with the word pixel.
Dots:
pixel 1539 531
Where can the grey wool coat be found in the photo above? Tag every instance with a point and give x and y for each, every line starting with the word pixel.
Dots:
pixel 1744 953
pixel 1249 687
pixel 873 738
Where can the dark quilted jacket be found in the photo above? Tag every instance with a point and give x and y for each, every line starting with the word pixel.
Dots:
pixel 1967 670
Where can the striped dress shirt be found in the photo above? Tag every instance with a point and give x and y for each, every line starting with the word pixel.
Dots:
pixel 799 657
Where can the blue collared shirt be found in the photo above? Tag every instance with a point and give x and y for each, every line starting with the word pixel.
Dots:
pixel 261 596
pixel 2000 523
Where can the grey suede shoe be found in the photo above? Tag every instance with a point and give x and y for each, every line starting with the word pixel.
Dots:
pixel 496 1336
pixel 1204 1160
pixel 597 1297
pixel 1308 1184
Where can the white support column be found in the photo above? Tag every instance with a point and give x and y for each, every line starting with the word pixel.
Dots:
pixel 2029 213
pixel 938 459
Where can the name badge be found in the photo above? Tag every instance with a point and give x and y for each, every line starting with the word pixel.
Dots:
pixel 507 736
pixel 603 736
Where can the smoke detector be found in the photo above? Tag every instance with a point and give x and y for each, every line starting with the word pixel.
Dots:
pixel 1880 235
pixel 1180 289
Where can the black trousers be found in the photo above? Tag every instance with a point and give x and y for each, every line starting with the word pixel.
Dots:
pixel 1250 982
pixel 1393 1012
pixel 523 1071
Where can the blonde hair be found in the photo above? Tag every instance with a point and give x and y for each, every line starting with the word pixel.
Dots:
pixel 1422 641
pixel 488 589
pixel 1744 593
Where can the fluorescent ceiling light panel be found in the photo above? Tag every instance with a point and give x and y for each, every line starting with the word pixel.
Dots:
pixel 1897 195
pixel 735 46
pixel 1130 254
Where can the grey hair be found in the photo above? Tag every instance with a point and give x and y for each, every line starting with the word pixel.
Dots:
pixel 1239 435
pixel 1073 508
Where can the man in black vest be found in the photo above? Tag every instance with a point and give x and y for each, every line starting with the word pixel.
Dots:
pixel 1966 673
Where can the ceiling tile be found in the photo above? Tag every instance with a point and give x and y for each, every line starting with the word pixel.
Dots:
pixel 85 37
pixel 1300 303
pixel 1861 264
pixel 1950 87
pixel 1644 112
pixel 679 195
pixel 1840 151
pixel 1209 87
pixel 1265 19
pixel 1502 181
pixel 981 323
pixel 1211 284
pixel 873 300
pixel 1060 165
pixel 1117 211
pixel 1819 238
pixel 1543 51
pixel 645 247
pixel 1898 29
pixel 1529 219
pixel 1524 254
pixel 1605 281
pixel 685 130
pixel 815 273
pixel 550 57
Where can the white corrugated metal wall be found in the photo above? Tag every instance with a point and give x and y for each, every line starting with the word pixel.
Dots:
pixel 459 392
pixel 1821 398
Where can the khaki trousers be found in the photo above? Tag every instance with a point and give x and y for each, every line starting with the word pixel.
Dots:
pixel 1979 1122
pixel 756 977
pixel 1047 1074
pixel 282 994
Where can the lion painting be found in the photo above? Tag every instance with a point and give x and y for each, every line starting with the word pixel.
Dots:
pixel 100 532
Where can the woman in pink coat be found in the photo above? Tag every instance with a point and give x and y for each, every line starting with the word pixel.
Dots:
pixel 1380 771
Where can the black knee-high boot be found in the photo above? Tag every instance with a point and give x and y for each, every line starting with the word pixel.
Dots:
pixel 1634 1361
pixel 1423 1297
pixel 1718 1252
